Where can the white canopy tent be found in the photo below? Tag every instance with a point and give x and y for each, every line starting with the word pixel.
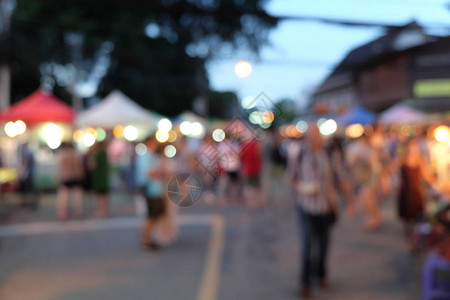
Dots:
pixel 117 109
pixel 401 114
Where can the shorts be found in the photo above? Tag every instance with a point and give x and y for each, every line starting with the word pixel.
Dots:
pixel 156 207
pixel 233 176
pixel 72 183
pixel 101 191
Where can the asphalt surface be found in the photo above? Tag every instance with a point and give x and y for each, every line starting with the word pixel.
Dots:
pixel 255 256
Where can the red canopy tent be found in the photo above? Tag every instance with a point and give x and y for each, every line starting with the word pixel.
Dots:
pixel 40 106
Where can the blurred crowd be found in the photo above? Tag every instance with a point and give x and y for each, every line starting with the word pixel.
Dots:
pixel 378 166
pixel 324 174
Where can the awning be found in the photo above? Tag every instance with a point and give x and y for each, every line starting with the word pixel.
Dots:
pixel 40 106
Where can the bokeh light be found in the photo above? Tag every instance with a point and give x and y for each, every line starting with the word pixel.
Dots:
pixel 218 135
pixel 21 127
pixel 13 129
pixel 170 151
pixel 243 69
pixel 197 129
pixel 321 121
pixel 328 127
pixel 248 102
pixel 291 131
pixel 354 131
pixel 185 127
pixel 92 131
pixel 10 129
pixel 162 136
pixel 140 149
pixel 441 134
pixel 164 125
pixel 118 131
pixel 255 117
pixel 54 143
pixel 52 135
pixel 268 117
pixel 101 134
pixel 172 136
pixel 88 139
pixel 302 126
pixel 130 133
pixel 77 136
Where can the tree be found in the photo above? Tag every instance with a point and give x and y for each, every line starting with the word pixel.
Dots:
pixel 222 105
pixel 289 111
pixel 159 47
pixel 6 8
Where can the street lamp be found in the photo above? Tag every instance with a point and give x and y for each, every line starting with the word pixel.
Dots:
pixel 242 69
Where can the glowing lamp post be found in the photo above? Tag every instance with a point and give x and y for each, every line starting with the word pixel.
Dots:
pixel 243 69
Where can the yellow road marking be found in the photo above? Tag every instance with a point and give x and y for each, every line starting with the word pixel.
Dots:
pixel 211 273
pixel 210 279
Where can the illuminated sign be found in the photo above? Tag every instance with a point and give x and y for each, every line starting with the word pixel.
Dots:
pixel 429 88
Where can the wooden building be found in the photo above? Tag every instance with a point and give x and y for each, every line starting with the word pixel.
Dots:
pixel 404 64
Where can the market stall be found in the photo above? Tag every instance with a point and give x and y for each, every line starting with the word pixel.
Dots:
pixel 41 106
pixel 120 121
pixel 117 109
pixel 401 114
pixel 29 124
pixel 356 115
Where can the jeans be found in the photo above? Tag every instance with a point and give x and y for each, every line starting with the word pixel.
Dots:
pixel 314 228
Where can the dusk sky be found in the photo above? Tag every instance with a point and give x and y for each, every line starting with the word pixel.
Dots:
pixel 301 54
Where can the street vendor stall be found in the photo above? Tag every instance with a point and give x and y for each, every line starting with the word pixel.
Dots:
pixel 41 106
pixel 117 109
pixel 120 121
pixel 37 119
pixel 356 115
pixel 401 114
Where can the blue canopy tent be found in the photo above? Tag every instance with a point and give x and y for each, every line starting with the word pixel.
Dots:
pixel 357 115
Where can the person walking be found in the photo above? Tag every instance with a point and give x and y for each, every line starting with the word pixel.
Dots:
pixel 230 162
pixel 27 171
pixel 316 205
pixel 153 172
pixel 251 159
pixel 70 174
pixel 366 169
pixel 411 199
pixel 100 178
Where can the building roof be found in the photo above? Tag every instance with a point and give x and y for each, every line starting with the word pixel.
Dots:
pixel 395 40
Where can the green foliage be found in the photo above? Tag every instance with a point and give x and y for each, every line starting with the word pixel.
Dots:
pixel 222 104
pixel 289 112
pixel 164 73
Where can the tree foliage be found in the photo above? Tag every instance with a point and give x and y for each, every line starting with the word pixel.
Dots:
pixel 289 112
pixel 160 46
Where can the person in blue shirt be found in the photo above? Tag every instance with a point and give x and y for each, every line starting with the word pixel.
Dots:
pixel 151 177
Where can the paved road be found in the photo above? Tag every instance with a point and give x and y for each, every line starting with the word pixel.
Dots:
pixel 106 264
pixel 257 258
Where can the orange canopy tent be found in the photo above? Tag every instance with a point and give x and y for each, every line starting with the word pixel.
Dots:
pixel 40 106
